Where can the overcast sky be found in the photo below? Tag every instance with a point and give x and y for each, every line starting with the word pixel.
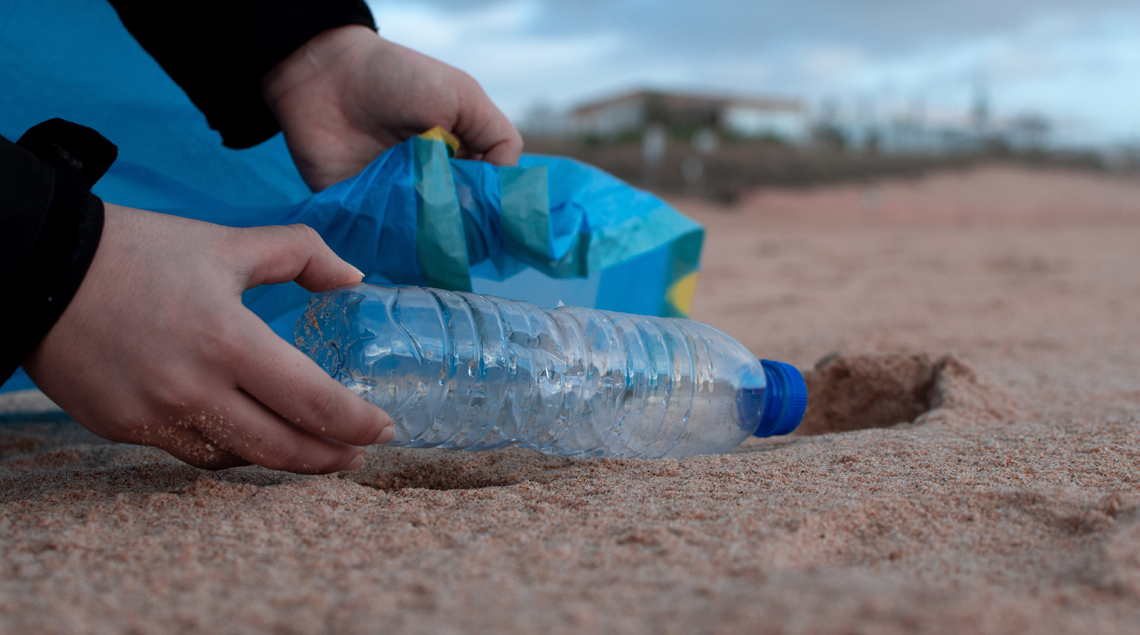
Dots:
pixel 1075 62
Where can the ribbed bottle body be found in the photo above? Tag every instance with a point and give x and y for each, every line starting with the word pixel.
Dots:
pixel 472 372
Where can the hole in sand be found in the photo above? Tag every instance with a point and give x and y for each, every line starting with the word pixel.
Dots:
pixel 878 390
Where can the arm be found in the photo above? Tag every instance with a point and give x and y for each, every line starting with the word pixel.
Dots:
pixel 219 50
pixel 317 70
pixel 50 225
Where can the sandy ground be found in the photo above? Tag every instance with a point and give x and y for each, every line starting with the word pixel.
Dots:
pixel 972 464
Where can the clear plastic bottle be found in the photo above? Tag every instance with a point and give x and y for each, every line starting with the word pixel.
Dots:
pixel 473 372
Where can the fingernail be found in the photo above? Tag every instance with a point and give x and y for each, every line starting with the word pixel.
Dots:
pixel 355 464
pixel 385 435
pixel 360 273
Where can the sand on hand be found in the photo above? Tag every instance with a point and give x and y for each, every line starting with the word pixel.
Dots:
pixel 968 462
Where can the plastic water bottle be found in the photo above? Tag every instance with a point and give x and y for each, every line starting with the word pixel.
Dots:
pixel 473 372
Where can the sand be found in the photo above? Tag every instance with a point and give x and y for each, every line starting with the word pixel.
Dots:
pixel 969 462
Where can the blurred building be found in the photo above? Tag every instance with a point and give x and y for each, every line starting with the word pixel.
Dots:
pixel 543 120
pixel 861 126
pixel 783 119
pixel 938 132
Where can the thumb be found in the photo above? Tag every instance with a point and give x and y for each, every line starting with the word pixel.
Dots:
pixel 297 253
pixel 484 130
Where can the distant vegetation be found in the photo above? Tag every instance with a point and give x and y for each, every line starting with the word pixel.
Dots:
pixel 738 165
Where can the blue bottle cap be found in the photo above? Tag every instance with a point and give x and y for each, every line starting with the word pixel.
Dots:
pixel 785 401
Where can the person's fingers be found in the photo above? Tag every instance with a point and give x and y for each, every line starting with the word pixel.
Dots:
pixel 291 252
pixel 504 154
pixel 285 380
pixel 484 131
pixel 187 444
pixel 249 430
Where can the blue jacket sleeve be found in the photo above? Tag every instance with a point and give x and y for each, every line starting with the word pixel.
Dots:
pixel 50 225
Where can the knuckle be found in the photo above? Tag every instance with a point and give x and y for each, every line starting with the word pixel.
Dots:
pixel 366 433
pixel 222 337
pixel 306 235
pixel 471 83
pixel 333 415
pixel 459 77
pixel 325 407
pixel 170 393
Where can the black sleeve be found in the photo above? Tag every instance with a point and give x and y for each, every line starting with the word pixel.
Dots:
pixel 218 50
pixel 50 225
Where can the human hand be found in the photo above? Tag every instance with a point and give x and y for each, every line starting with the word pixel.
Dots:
pixel 157 349
pixel 348 95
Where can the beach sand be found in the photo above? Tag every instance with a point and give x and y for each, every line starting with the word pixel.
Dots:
pixel 969 461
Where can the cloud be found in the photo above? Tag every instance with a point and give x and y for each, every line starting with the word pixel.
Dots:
pixel 425 28
pixel 1084 73
pixel 829 62
pixel 498 45
pixel 1076 62
pixel 876 26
